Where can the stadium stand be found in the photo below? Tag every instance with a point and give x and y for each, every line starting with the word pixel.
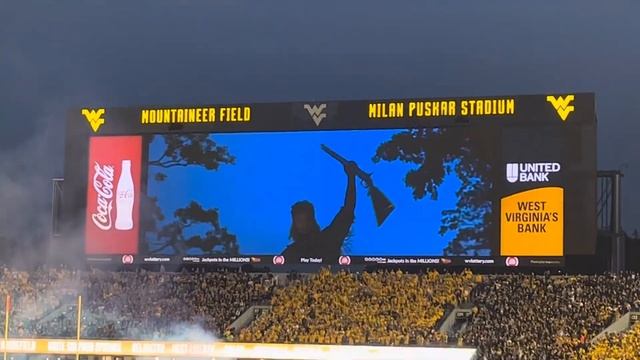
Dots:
pixel 211 300
pixel 34 295
pixel 512 316
pixel 546 317
pixel 625 346
pixel 128 305
pixel 385 308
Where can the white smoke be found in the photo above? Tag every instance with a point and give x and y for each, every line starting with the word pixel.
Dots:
pixel 189 332
pixel 25 192
pixel 180 332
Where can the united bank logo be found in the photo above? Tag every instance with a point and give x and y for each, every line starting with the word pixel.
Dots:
pixel 317 112
pixel 562 105
pixel 530 172
pixel 94 118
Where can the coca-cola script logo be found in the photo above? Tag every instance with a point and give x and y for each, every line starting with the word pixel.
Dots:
pixel 103 185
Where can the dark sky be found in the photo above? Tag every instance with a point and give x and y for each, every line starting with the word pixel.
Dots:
pixel 55 55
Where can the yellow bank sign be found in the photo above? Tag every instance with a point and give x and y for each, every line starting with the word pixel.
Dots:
pixel 532 223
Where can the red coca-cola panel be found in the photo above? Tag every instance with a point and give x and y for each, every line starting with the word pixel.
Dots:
pixel 113 195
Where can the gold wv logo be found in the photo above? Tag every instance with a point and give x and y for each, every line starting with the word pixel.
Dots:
pixel 94 117
pixel 562 105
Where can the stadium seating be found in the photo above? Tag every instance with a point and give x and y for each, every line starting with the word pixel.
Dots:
pixel 616 346
pixel 512 316
pixel 34 294
pixel 546 317
pixel 128 305
pixel 388 308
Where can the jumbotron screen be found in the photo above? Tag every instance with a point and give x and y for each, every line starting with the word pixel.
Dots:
pixel 502 181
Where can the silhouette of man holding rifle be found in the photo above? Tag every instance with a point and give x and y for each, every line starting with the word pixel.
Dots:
pixel 309 240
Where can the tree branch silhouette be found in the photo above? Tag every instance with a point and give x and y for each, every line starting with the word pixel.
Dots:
pixel 192 149
pixel 215 241
pixel 182 150
pixel 437 152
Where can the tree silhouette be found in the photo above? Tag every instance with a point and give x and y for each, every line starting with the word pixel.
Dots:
pixel 191 149
pixel 182 150
pixel 437 152
pixel 217 240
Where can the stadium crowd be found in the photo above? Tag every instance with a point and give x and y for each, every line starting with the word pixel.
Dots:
pixel 131 305
pixel 35 294
pixel 387 308
pixel 546 317
pixel 513 316
pixel 624 346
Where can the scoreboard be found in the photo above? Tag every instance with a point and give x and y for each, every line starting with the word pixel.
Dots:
pixel 477 181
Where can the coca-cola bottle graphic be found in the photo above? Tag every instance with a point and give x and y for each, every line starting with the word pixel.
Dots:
pixel 125 196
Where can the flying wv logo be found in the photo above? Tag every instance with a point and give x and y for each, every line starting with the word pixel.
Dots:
pixel 316 112
pixel 562 105
pixel 94 117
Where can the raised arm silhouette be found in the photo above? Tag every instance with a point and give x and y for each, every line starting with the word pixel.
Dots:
pixel 309 240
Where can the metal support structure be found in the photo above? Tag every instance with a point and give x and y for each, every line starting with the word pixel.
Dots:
pixel 616 215
pixel 604 200
pixel 609 216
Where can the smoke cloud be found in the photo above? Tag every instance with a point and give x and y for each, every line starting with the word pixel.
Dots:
pixel 189 332
pixel 25 193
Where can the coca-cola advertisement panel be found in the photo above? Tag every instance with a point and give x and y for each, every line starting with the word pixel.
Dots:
pixel 113 185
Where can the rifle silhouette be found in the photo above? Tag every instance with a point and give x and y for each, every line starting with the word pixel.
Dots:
pixel 381 204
